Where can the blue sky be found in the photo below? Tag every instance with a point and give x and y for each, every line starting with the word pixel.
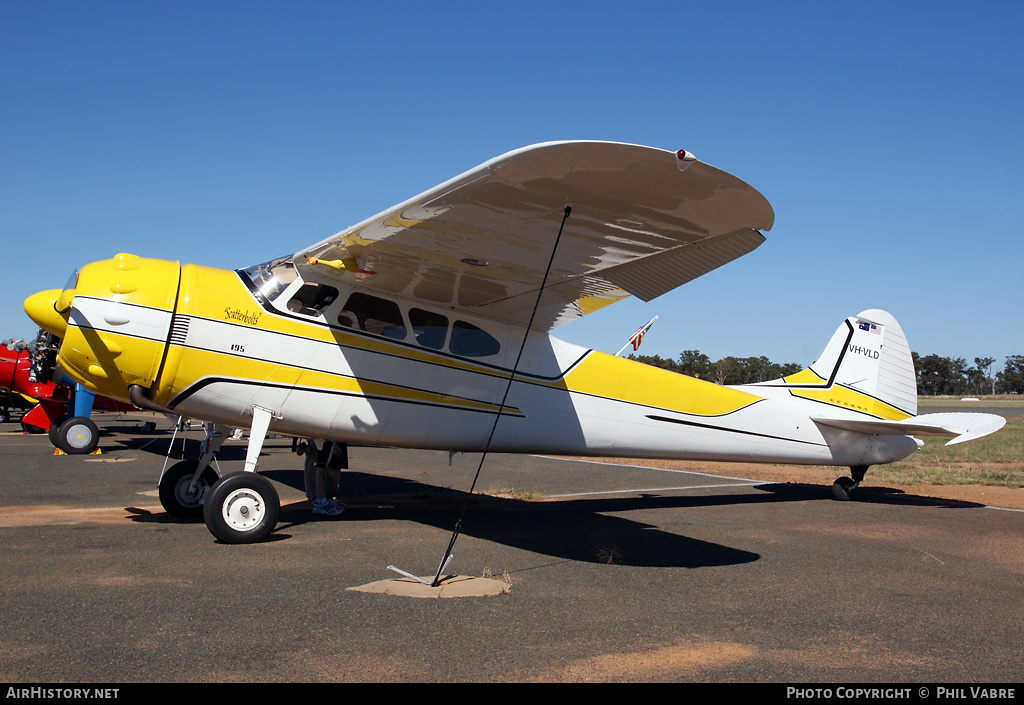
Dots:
pixel 887 137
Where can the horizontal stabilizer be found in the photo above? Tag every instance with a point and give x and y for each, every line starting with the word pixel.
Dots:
pixel 964 425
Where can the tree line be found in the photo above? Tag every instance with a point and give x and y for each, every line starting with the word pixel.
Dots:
pixel 936 375
pixel 728 370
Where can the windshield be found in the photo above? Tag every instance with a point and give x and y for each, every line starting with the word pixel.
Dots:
pixel 63 303
pixel 273 277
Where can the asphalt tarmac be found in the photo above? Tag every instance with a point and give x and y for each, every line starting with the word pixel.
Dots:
pixel 614 574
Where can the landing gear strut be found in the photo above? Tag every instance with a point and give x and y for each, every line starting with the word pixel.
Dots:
pixel 243 507
pixel 845 488
pixel 184 486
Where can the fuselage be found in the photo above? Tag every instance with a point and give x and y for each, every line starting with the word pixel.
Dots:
pixel 369 369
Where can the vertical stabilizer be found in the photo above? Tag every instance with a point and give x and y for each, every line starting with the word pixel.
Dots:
pixel 866 368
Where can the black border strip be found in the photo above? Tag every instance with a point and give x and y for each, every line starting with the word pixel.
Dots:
pixel 207 381
pixel 683 422
pixel 330 373
pixel 832 376
pixel 115 331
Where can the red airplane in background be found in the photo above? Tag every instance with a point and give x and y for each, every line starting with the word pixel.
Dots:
pixel 62 408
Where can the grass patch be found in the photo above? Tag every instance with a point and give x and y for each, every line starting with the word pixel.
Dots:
pixel 995 460
pixel 510 493
pixel 1004 401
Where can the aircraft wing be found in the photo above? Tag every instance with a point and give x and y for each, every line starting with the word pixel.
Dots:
pixel 643 221
pixel 965 426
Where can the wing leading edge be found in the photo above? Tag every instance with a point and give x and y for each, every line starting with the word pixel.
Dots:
pixel 643 221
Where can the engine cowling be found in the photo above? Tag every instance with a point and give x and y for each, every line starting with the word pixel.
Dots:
pixel 114 320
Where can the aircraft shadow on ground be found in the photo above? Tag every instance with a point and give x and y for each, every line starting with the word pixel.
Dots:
pixel 572 530
pixel 582 529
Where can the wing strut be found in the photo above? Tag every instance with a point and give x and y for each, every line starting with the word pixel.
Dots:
pixel 446 559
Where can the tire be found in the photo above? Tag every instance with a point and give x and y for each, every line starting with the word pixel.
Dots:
pixel 55 428
pixel 241 508
pixel 78 435
pixel 174 485
pixel 844 489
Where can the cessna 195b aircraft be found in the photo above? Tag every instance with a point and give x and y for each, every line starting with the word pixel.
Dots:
pixel 427 326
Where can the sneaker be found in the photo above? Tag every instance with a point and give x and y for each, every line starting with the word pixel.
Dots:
pixel 327 507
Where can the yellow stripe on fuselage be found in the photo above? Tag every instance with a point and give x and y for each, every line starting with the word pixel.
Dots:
pixel 197 364
pixel 613 377
pixel 840 396
pixel 847 398
pixel 807 376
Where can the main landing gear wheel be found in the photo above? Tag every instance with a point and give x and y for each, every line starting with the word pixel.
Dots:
pixel 175 496
pixel 54 428
pixel 77 435
pixel 241 508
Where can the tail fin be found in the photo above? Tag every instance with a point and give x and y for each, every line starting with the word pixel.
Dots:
pixel 866 367
pixel 865 382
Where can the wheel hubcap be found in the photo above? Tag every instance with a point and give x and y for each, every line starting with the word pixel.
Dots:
pixel 79 437
pixel 243 509
pixel 194 497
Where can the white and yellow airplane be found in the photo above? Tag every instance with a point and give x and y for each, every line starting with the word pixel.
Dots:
pixel 428 326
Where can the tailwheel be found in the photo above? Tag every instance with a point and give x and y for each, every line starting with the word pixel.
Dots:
pixel 77 435
pixel 241 508
pixel 845 488
pixel 178 495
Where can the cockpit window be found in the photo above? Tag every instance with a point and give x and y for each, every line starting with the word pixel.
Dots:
pixel 369 313
pixel 273 277
pixel 470 341
pixel 430 328
pixel 374 315
pixel 312 299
